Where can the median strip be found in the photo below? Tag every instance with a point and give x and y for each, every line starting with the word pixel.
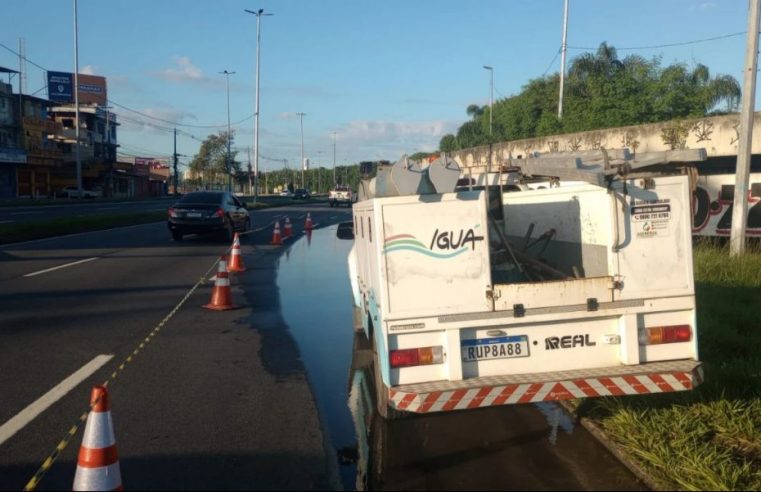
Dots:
pixel 34 274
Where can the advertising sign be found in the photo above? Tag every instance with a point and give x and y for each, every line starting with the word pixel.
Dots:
pixel 92 88
pixel 59 87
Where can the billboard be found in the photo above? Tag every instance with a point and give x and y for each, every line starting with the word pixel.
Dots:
pixel 92 88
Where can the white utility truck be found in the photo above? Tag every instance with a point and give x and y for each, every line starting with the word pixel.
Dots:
pixel 490 297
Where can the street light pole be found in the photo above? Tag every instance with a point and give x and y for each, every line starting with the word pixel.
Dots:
pixel 491 99
pixel 301 118
pixel 229 136
pixel 259 13
pixel 76 101
pixel 334 158
pixel 564 49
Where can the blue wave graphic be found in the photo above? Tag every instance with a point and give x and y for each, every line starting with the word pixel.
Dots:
pixel 426 252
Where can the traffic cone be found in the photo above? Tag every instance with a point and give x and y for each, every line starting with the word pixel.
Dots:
pixel 236 260
pixel 308 223
pixel 287 229
pixel 309 237
pixel 221 296
pixel 277 240
pixel 98 463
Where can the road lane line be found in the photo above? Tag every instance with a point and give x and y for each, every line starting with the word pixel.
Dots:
pixel 8 429
pixel 6 221
pixel 60 266
pixel 66 236
pixel 25 213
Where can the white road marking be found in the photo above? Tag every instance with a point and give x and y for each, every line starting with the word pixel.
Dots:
pixel 6 221
pixel 8 429
pixel 111 208
pixel 25 213
pixel 60 266
pixel 332 217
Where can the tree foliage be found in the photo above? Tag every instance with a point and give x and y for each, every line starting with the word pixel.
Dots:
pixel 209 165
pixel 602 91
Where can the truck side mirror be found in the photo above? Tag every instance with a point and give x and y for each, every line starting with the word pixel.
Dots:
pixel 345 230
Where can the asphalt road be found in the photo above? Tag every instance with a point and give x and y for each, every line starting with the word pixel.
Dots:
pixel 79 208
pixel 215 400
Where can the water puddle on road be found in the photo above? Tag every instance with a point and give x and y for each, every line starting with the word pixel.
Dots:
pixel 515 447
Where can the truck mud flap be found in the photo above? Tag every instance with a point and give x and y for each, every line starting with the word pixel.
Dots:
pixel 655 377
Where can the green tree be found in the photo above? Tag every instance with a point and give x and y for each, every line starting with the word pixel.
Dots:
pixel 209 165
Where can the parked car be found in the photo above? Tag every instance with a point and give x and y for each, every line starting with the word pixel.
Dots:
pixel 301 194
pixel 286 193
pixel 204 212
pixel 73 192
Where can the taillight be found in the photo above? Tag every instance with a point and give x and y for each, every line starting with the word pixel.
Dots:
pixel 416 357
pixel 219 213
pixel 172 212
pixel 666 334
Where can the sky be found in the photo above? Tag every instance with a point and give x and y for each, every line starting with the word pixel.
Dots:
pixel 388 77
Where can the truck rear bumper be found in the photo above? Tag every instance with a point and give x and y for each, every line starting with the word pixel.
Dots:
pixel 442 396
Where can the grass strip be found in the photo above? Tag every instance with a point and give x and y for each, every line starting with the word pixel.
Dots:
pixel 11 233
pixel 709 438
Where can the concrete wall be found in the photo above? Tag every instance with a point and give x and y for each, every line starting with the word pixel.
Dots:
pixel 719 135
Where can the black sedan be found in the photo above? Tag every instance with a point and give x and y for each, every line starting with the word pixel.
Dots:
pixel 204 212
pixel 301 193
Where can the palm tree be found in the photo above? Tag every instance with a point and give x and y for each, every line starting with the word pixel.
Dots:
pixel 713 91
pixel 474 111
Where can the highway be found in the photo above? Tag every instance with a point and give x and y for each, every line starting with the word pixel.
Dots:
pixel 196 407
pixel 253 398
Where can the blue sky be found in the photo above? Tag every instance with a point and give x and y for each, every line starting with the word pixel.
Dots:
pixel 388 77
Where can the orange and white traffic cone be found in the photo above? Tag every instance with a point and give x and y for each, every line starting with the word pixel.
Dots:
pixel 277 240
pixel 287 229
pixel 308 223
pixel 98 463
pixel 236 260
pixel 221 296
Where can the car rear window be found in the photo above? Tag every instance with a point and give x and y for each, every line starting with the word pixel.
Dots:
pixel 210 198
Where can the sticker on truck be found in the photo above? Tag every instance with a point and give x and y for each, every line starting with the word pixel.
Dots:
pixel 652 219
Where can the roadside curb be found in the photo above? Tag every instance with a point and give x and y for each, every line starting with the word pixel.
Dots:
pixel 602 437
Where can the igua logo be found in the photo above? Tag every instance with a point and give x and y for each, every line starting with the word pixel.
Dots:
pixel 569 341
pixel 443 245
pixel 447 240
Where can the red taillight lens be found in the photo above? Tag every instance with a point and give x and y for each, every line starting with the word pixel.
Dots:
pixel 172 213
pixel 219 213
pixel 416 357
pixel 668 334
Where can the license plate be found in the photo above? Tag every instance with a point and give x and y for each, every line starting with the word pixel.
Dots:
pixel 494 348
pixel 193 215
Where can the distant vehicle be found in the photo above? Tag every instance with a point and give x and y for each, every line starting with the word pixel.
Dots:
pixel 302 194
pixel 203 212
pixel 286 193
pixel 341 195
pixel 73 192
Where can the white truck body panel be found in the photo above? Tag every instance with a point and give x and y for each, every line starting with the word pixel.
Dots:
pixel 430 274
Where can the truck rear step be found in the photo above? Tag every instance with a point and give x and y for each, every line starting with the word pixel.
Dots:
pixel 441 396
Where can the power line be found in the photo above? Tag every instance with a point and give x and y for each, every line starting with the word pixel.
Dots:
pixel 683 43
pixel 557 53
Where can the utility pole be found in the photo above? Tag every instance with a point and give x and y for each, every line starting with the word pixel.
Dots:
pixel 564 49
pixel 259 13
pixel 175 162
pixel 491 99
pixel 334 158
pixel 301 118
pixel 229 135
pixel 742 172
pixel 250 190
pixel 76 101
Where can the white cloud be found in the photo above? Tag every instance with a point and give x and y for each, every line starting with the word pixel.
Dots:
pixel 392 139
pixel 88 70
pixel 183 71
pixel 703 6
pixel 137 123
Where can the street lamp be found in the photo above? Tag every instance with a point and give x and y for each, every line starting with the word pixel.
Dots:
pixel 301 118
pixel 491 100
pixel 259 13
pixel 229 164
pixel 76 100
pixel 334 158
